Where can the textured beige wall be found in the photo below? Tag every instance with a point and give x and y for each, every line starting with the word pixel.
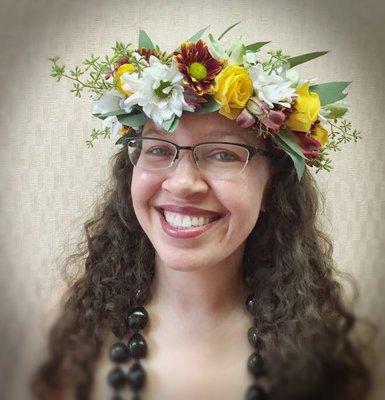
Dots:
pixel 49 177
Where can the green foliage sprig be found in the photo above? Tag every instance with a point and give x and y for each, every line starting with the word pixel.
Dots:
pixel 97 134
pixel 340 132
pixel 277 59
pixel 91 75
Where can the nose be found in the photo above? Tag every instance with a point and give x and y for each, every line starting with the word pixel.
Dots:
pixel 184 178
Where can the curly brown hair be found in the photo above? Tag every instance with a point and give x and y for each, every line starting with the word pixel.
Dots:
pixel 307 331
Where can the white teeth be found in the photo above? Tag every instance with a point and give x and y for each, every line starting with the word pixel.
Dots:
pixel 185 221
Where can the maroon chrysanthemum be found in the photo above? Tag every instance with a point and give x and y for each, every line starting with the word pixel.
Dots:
pixel 198 66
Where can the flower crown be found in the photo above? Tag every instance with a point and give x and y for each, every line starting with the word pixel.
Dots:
pixel 303 119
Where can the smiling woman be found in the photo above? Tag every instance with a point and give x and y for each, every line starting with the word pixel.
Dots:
pixel 206 275
pixel 192 249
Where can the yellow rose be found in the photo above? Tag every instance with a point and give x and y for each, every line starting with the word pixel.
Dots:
pixel 306 110
pixel 124 68
pixel 320 134
pixel 233 87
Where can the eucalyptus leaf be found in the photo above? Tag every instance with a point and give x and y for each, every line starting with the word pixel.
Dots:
pixel 287 137
pixel 305 58
pixel 144 41
pixel 98 115
pixel 194 37
pixel 210 106
pixel 298 161
pixel 230 27
pixel 330 92
pixel 133 119
pixel 171 124
pixel 336 111
pixel 255 46
pixel 111 114
pixel 120 140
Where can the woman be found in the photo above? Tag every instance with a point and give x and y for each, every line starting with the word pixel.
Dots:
pixel 213 253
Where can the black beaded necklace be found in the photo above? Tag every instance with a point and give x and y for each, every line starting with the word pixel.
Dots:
pixel 136 349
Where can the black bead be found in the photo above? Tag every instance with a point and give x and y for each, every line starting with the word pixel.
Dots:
pixel 256 392
pixel 119 329
pixel 250 303
pixel 117 396
pixel 137 346
pixel 138 318
pixel 136 376
pixel 119 352
pixel 136 397
pixel 255 365
pixel 254 338
pixel 116 378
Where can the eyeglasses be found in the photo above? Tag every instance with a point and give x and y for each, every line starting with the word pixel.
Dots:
pixel 215 159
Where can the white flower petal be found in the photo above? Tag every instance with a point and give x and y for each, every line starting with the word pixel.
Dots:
pixel 109 101
pixel 272 89
pixel 158 109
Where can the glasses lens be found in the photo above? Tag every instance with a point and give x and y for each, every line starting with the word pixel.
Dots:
pixel 221 159
pixel 151 154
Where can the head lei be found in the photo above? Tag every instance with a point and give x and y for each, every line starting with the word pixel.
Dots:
pixel 266 95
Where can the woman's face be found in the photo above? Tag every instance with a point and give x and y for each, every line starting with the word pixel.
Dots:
pixel 237 200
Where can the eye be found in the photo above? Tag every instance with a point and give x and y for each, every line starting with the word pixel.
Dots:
pixel 159 151
pixel 225 156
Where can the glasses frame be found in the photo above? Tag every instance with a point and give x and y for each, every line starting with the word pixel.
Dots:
pixel 251 150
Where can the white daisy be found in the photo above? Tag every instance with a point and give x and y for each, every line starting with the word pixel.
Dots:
pixel 273 88
pixel 110 100
pixel 159 91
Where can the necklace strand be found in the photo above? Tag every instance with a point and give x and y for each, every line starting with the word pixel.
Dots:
pixel 136 349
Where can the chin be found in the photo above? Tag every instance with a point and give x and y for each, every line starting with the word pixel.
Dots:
pixel 181 262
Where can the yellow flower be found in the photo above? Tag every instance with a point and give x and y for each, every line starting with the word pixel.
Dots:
pixel 124 68
pixel 320 134
pixel 306 109
pixel 233 87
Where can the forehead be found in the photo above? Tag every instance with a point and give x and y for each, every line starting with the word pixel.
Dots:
pixel 206 132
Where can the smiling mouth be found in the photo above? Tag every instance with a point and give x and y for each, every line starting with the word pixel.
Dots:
pixel 187 222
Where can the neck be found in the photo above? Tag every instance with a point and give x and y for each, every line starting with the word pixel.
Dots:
pixel 199 300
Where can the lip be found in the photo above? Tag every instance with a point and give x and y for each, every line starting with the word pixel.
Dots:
pixel 185 233
pixel 188 210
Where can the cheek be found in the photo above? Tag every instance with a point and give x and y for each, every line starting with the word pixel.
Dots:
pixel 144 186
pixel 243 200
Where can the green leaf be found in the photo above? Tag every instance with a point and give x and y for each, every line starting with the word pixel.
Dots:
pixel 144 40
pixel 336 111
pixel 285 141
pixel 210 106
pixel 288 138
pixel 195 37
pixel 133 119
pixel 110 114
pixel 230 27
pixel 330 92
pixel 171 124
pixel 120 140
pixel 255 46
pixel 305 57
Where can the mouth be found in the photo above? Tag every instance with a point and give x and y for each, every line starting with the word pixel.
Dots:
pixel 186 226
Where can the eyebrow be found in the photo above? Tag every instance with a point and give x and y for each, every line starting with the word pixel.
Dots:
pixel 219 133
